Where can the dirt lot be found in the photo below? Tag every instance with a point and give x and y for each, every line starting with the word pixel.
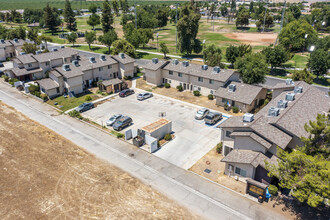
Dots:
pixel 186 96
pixel 45 176
pixel 253 38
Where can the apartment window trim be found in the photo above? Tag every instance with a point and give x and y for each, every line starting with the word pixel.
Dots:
pixel 47 63
pixel 100 69
pixel 170 72
pixel 211 81
pixel 109 66
pixel 29 65
pixel 240 171
pixel 200 79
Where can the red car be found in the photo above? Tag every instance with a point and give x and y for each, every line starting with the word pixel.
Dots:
pixel 126 92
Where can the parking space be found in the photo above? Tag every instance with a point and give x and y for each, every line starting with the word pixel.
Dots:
pixel 193 139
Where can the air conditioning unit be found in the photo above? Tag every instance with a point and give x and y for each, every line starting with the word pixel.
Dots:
pixel 216 69
pixel 92 59
pixel 205 67
pixel 102 57
pixel 289 96
pixel 122 55
pixel 62 46
pixel 282 104
pixel 298 89
pixel 288 81
pixel 16 40
pixel 54 49
pixel 75 62
pixel 248 117
pixel 66 67
pixel 185 63
pixel 175 62
pixel 273 112
pixel 22 53
pixel 2 41
pixel 154 60
pixel 231 88
pixel 38 52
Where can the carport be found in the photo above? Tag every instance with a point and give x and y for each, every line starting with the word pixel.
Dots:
pixel 112 85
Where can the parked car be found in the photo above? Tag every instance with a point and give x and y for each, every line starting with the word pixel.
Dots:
pixel 1 64
pixel 122 123
pixel 212 118
pixel 113 119
pixel 144 95
pixel 201 113
pixel 126 92
pixel 84 107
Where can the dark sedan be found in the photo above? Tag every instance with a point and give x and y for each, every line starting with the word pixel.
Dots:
pixel 126 92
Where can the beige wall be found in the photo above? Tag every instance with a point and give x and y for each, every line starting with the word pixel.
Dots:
pixel 32 65
pixel 2 54
pixel 247 143
pixel 50 92
pixel 38 75
pixel 126 70
pixel 250 170
pixel 59 80
pixel 153 76
pixel 75 84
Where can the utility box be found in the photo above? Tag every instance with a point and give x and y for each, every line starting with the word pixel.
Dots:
pixel 158 129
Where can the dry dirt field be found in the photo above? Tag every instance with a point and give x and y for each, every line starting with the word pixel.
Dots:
pixel 45 176
pixel 253 38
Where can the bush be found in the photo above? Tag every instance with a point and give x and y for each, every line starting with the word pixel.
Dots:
pixel 167 85
pixel 219 148
pixel 94 83
pixel 88 98
pixel 33 89
pixel 75 114
pixel 12 81
pixel 6 78
pixel 44 97
pixel 179 88
pixel 210 97
pixel 38 94
pixel 226 107
pixel 272 189
pixel 168 137
pixel 235 109
pixel 197 93
pixel 127 77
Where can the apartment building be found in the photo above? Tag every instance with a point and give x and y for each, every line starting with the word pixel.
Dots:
pixel 10 48
pixel 190 76
pixel 250 140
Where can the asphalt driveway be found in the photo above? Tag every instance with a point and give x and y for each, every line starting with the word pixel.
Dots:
pixel 193 139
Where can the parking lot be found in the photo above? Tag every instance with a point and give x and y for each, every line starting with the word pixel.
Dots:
pixel 193 139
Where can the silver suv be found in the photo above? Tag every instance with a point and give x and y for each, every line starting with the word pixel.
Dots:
pixel 144 95
pixel 212 118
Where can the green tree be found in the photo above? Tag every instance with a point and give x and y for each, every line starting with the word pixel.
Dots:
pixel 51 19
pixel 33 36
pixel 162 16
pixel 146 35
pixel 319 62
pixel 94 19
pixel 187 29
pixel 45 39
pixel 305 170
pixel 224 11
pixel 163 49
pixel 108 38
pixel 115 6
pixel 29 48
pixel 244 49
pixel 90 37
pixel 212 55
pixel 123 46
pixel 268 22
pixel 295 10
pixel 107 18
pixel 21 32
pixel 69 17
pixel 252 68
pixel 276 56
pixel 232 53
pixel 124 5
pixel 293 35
pixel 242 18
pixel 303 75
pixel 92 8
pixel 72 37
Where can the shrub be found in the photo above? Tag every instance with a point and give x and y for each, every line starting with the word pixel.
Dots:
pixel 225 106
pixel 167 85
pixel 210 97
pixel 179 88
pixel 12 81
pixel 38 94
pixel 272 189
pixel 94 83
pixel 33 89
pixel 127 77
pixel 75 114
pixel 44 97
pixel 88 98
pixel 235 109
pixel 6 78
pixel 219 148
pixel 197 93
pixel 168 137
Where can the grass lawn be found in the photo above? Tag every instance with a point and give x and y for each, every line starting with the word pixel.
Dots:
pixel 103 50
pixel 65 104
pixel 298 61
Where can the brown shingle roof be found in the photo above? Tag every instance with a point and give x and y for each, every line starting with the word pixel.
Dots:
pixel 22 72
pixel 244 93
pixel 62 52
pixel 254 136
pixel 196 70
pixel 26 58
pixel 48 83
pixel 127 59
pixel 113 81
pixel 5 44
pixel 85 64
pixel 155 66
pixel 73 72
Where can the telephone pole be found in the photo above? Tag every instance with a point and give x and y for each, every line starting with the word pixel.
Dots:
pixel 282 19
pixel 176 28
pixel 135 15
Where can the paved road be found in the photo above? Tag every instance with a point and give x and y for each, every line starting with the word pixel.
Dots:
pixel 197 194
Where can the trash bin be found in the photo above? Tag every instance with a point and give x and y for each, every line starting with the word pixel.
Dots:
pixel 138 141
pixel 260 199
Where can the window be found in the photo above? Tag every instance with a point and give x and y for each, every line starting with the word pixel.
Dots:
pixel 211 81
pixel 170 72
pixel 100 69
pixel 240 171
pixel 47 63
pixel 57 90
pixel 43 90
pixel 110 75
pixel 224 100
pixel 65 79
pixel 109 66
pixel 29 65
pixel 180 74
pixel 211 91
pixel 169 81
pixel 228 133
pixel 200 79
pixel 199 88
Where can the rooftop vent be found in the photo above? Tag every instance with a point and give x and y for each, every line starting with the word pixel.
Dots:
pixel 54 49
pixel 248 117
pixel 22 53
pixel 205 67
pixel 66 67
pixel 175 61
pixel 282 104
pixel 92 59
pixel 75 62
pixel 2 41
pixel 216 69
pixel 16 40
pixel 154 60
pixel 298 89
pixel 122 55
pixel 273 111
pixel 62 46
pixel 289 97
pixel 231 88
pixel 288 81
pixel 102 57
pixel 185 63
pixel 38 52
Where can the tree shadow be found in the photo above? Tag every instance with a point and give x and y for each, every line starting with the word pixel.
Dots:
pixel 279 72
pixel 243 28
pixel 192 56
